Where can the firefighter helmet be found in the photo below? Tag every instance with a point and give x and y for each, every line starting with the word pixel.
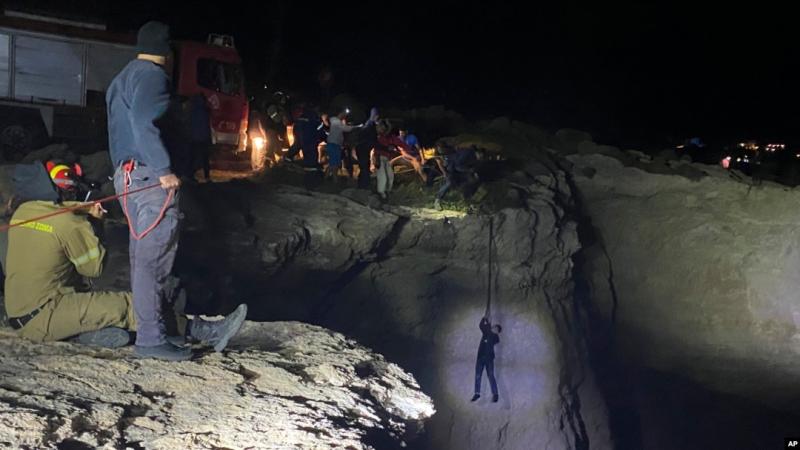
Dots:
pixel 64 176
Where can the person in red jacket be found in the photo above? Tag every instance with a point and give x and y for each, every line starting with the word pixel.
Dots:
pixel 384 152
pixel 407 153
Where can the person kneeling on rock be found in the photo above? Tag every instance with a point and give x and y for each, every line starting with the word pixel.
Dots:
pixel 46 297
pixel 490 338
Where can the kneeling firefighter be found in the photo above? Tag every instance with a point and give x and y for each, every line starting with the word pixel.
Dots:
pixel 51 248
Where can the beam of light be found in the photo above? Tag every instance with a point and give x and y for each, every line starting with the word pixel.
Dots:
pixel 527 368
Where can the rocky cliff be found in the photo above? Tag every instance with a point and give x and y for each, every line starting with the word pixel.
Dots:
pixel 280 385
pixel 412 283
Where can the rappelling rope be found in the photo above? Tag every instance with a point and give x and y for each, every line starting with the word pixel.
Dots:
pixel 489 284
pixel 161 214
pixel 123 195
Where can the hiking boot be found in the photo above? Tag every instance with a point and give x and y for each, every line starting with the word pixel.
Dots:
pixel 109 337
pixel 164 352
pixel 218 333
pixel 475 397
pixel 177 341
pixel 437 205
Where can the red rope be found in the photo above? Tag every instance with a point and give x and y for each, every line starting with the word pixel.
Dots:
pixel 158 220
pixel 5 228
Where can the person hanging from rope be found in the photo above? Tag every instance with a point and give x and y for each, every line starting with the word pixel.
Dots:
pixel 490 334
pixel 485 360
pixel 53 250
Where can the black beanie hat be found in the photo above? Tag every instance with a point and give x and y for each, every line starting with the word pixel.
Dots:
pixel 153 39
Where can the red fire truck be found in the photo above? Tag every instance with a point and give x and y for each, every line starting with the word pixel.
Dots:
pixel 54 74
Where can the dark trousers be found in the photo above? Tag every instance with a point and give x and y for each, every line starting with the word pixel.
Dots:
pixel 488 364
pixel 293 150
pixel 310 156
pixel 347 158
pixel 152 257
pixel 202 158
pixel 362 153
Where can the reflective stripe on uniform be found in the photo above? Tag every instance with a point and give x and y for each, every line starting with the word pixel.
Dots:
pixel 38 226
pixel 91 255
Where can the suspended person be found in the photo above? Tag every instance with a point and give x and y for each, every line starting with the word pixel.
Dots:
pixel 46 297
pixel 485 359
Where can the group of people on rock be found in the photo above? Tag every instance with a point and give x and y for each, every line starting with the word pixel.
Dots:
pixel 374 147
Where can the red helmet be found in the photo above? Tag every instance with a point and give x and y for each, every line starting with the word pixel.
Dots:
pixel 64 176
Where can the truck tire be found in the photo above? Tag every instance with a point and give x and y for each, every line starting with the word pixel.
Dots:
pixel 21 131
pixel 15 141
pixel 258 159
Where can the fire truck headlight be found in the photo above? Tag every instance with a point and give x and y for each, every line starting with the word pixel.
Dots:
pixel 259 143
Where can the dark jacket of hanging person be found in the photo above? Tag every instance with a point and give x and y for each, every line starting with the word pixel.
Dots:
pixel 488 341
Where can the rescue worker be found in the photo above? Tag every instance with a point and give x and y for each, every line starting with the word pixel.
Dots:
pixel 458 168
pixel 485 359
pixel 335 142
pixel 308 133
pixel 200 135
pixel 46 296
pixel 366 141
pixel 384 152
pixel 138 97
pixel 410 153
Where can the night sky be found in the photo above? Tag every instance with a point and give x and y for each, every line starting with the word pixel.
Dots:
pixel 632 74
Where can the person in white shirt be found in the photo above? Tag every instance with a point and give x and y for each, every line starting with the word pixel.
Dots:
pixel 335 141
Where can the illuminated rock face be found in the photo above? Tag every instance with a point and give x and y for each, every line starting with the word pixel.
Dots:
pixel 413 286
pixel 280 385
pixel 424 300
pixel 698 281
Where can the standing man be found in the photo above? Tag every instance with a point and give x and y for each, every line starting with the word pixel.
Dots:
pixel 490 338
pixel 336 141
pixel 136 99
pixel 200 135
pixel 366 142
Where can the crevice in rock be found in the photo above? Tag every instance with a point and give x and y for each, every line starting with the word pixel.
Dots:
pixel 571 419
pixel 153 396
pixel 129 414
pixel 74 444
pixel 597 333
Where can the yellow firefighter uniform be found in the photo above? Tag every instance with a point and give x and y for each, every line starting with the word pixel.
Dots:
pixel 45 264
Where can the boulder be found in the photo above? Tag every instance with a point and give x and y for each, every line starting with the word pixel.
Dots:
pixel 97 167
pixel 281 385
pixel 567 140
pixel 57 152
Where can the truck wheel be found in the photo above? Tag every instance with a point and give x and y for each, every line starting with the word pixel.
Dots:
pixel 15 142
pixel 258 159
